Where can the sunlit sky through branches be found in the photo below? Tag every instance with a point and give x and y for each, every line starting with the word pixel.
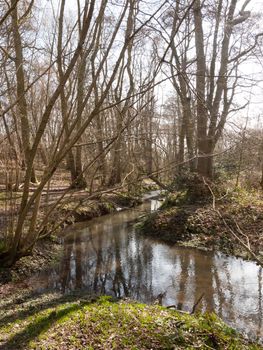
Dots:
pixel 251 71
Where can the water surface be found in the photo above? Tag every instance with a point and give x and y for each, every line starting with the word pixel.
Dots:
pixel 107 256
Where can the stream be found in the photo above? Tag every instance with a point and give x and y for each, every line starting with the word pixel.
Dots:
pixel 107 256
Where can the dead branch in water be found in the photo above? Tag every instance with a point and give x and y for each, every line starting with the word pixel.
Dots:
pixel 186 312
pixel 197 303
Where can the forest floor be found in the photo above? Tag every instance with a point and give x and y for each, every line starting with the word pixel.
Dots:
pixel 237 216
pixel 80 321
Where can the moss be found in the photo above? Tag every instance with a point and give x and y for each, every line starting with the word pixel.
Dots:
pixel 79 322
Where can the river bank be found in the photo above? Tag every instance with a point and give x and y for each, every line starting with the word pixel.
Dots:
pixel 238 216
pixel 80 321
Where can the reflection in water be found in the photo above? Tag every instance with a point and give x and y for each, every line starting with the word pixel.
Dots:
pixel 106 256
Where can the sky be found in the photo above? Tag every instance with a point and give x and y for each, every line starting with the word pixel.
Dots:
pixel 252 70
pixel 255 70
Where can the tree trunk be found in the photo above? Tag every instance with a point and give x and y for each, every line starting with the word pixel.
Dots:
pixel 80 182
pixel 101 160
pixel 20 88
pixel 115 176
pixel 204 162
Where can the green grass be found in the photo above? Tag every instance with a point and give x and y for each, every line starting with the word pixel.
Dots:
pixel 53 321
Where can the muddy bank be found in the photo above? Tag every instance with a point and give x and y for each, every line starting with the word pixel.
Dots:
pixel 199 225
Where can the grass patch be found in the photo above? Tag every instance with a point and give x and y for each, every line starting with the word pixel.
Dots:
pixel 78 322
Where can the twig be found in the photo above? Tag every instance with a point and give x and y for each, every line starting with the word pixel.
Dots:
pixel 231 231
pixel 242 234
pixel 212 193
